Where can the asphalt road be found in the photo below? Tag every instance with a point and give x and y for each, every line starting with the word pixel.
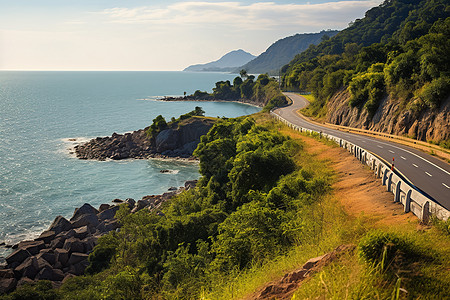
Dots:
pixel 427 173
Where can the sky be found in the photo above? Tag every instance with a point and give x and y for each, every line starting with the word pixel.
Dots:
pixel 158 35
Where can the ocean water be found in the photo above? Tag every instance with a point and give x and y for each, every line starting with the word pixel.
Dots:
pixel 40 112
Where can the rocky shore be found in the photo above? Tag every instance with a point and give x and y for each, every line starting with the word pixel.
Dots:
pixel 178 141
pixel 62 251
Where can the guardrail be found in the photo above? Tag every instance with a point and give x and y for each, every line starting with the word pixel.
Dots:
pixel 404 192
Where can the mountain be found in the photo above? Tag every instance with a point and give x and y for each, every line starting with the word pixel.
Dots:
pixel 283 51
pixel 226 63
pixel 388 71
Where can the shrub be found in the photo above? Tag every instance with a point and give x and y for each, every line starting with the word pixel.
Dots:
pixel 436 91
pixel 100 258
pixel 159 124
pixel 380 247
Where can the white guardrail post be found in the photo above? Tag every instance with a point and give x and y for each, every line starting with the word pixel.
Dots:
pixel 412 200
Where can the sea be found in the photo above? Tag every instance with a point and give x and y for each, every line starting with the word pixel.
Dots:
pixel 44 114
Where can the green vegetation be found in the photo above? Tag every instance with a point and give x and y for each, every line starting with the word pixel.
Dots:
pixel 159 123
pixel 261 208
pixel 264 91
pixel 246 207
pixel 400 48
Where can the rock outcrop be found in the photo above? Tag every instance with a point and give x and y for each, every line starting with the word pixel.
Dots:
pixel 178 141
pixel 62 251
pixel 285 287
pixel 392 118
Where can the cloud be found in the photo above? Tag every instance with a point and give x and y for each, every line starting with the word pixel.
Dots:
pixel 255 16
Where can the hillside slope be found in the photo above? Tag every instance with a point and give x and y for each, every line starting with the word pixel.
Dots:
pixel 226 63
pixel 283 51
pixel 393 60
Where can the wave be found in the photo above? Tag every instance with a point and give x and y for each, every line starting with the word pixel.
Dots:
pixel 70 143
pixel 167 171
pixel 155 98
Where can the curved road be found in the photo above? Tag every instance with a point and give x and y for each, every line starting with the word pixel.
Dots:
pixel 426 172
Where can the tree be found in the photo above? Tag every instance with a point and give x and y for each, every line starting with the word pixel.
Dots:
pixel 243 73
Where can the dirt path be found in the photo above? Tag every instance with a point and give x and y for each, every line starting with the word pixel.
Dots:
pixel 356 187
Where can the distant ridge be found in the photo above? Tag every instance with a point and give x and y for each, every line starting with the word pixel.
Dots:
pixel 283 51
pixel 226 63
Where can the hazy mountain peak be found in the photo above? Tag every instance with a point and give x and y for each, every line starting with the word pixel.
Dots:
pixel 226 63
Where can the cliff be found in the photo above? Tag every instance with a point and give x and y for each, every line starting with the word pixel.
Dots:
pixel 177 141
pixel 391 117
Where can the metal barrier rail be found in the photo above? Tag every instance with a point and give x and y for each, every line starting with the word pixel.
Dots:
pixel 406 194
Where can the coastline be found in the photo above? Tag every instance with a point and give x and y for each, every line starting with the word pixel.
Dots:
pixel 186 98
pixel 61 251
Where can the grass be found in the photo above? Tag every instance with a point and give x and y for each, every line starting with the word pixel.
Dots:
pixel 309 97
pixel 327 226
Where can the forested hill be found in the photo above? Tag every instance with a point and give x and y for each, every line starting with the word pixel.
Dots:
pixel 283 51
pixel 396 55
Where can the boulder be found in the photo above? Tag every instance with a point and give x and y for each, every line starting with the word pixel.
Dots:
pixel 17 256
pixel 7 285
pixel 89 243
pixel 190 184
pixel 58 265
pixel 6 273
pixel 131 202
pixel 86 209
pixel 78 269
pixel 81 232
pixel 29 268
pixel 107 226
pixel 90 220
pixel 42 263
pixel 61 256
pixel 48 255
pixel 48 273
pixel 60 224
pixel 108 213
pixel 139 205
pixel 58 242
pixel 46 236
pixel 103 207
pixel 32 246
pixel 117 201
pixel 73 245
pixel 77 257
pixel 25 280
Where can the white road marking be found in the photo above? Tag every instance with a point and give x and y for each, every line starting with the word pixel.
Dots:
pixel 446 185
pixel 379 146
pixel 445 171
pixel 415 165
pixel 391 151
pixel 403 158
pixel 428 174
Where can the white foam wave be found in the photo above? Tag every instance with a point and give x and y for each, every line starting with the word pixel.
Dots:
pixel 70 143
pixel 167 171
pixel 155 98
